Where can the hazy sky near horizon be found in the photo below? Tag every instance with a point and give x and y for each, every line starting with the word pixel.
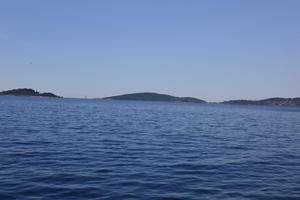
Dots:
pixel 215 50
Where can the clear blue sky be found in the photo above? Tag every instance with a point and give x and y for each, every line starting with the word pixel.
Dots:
pixel 214 50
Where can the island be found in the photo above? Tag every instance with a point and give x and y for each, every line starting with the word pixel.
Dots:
pixel 149 96
pixel 267 102
pixel 27 92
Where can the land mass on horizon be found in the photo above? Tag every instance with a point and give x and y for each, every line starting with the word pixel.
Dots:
pixel 27 92
pixel 267 102
pixel 150 96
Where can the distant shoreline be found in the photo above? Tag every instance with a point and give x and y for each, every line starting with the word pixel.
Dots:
pixel 149 96
pixel 25 92
pixel 292 102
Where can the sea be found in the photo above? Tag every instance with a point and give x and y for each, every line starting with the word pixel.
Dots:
pixel 88 149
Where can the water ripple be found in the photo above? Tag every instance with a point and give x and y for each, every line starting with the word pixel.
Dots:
pixel 92 149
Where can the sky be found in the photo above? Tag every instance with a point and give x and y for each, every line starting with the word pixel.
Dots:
pixel 214 50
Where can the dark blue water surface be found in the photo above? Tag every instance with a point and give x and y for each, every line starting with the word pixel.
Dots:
pixel 95 149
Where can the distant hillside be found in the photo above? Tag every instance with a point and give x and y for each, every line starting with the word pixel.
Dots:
pixel 268 102
pixel 26 92
pixel 148 96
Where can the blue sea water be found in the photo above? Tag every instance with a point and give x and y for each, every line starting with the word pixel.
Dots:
pixel 120 150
